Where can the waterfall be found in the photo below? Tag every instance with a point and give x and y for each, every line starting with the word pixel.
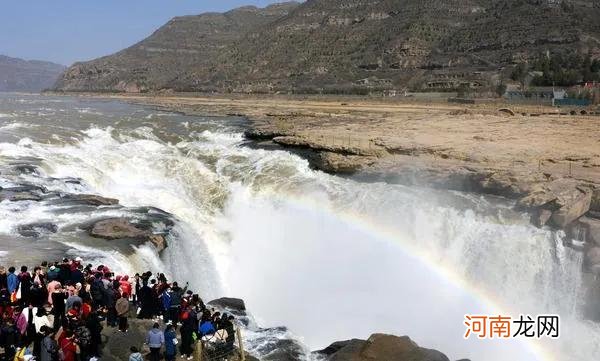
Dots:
pixel 332 258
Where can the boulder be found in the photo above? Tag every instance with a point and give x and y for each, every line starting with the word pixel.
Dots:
pixel 37 229
pixel 342 163
pixel 284 350
pixel 158 241
pixel 536 199
pixel 234 304
pixel 385 348
pixel 116 228
pixel 92 199
pixel 26 168
pixel 121 228
pixel 571 206
pixel 342 350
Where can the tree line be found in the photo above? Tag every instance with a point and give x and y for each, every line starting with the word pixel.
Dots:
pixel 559 69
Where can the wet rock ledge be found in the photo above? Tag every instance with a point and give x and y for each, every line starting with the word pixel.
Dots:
pixel 135 226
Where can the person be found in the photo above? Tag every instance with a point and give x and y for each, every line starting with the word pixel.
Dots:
pixel 155 340
pixel 3 278
pixel 68 346
pixel 20 317
pixel 59 297
pixel 39 276
pixel 146 300
pixel 188 325
pixel 64 271
pixel 9 339
pixel 49 349
pixel 97 291
pixel 53 274
pixel 77 275
pixel 176 294
pixel 51 287
pixel 126 287
pixel 136 288
pixel 75 314
pixel 122 309
pixel 12 280
pixel 230 328
pixel 42 320
pixel 206 328
pixel 37 294
pixel 109 302
pixel 166 303
pixel 135 354
pixel 25 283
pixel 170 343
pixel 93 323
pixel 73 297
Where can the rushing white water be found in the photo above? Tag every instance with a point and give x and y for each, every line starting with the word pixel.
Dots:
pixel 331 258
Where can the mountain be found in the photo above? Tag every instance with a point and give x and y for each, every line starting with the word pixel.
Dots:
pixel 345 46
pixel 27 76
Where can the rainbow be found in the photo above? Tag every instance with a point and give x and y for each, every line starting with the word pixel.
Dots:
pixel 370 226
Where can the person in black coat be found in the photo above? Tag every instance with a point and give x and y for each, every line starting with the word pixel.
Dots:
pixel 146 301
pixel 59 297
pixel 64 273
pixel 187 330
pixel 109 303
pixel 25 283
pixel 97 291
pixel 9 338
pixel 38 295
pixel 94 325
pixel 3 278
pixel 77 275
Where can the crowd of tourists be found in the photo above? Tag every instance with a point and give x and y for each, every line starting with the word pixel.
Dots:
pixel 57 311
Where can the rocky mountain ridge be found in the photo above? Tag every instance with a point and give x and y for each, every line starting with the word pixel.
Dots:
pixel 336 46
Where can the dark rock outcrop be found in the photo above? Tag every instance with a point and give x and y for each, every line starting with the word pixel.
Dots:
pixel 232 304
pixel 91 199
pixel 343 349
pixel 122 228
pixel 35 230
pixel 116 228
pixel 381 347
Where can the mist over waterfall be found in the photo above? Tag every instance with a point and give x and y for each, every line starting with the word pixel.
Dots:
pixel 331 258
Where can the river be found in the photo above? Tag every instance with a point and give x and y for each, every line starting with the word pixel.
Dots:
pixel 329 257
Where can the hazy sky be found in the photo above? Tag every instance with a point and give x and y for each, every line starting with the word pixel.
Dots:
pixel 65 31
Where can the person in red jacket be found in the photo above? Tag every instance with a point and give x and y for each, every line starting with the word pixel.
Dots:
pixel 68 346
pixel 125 286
